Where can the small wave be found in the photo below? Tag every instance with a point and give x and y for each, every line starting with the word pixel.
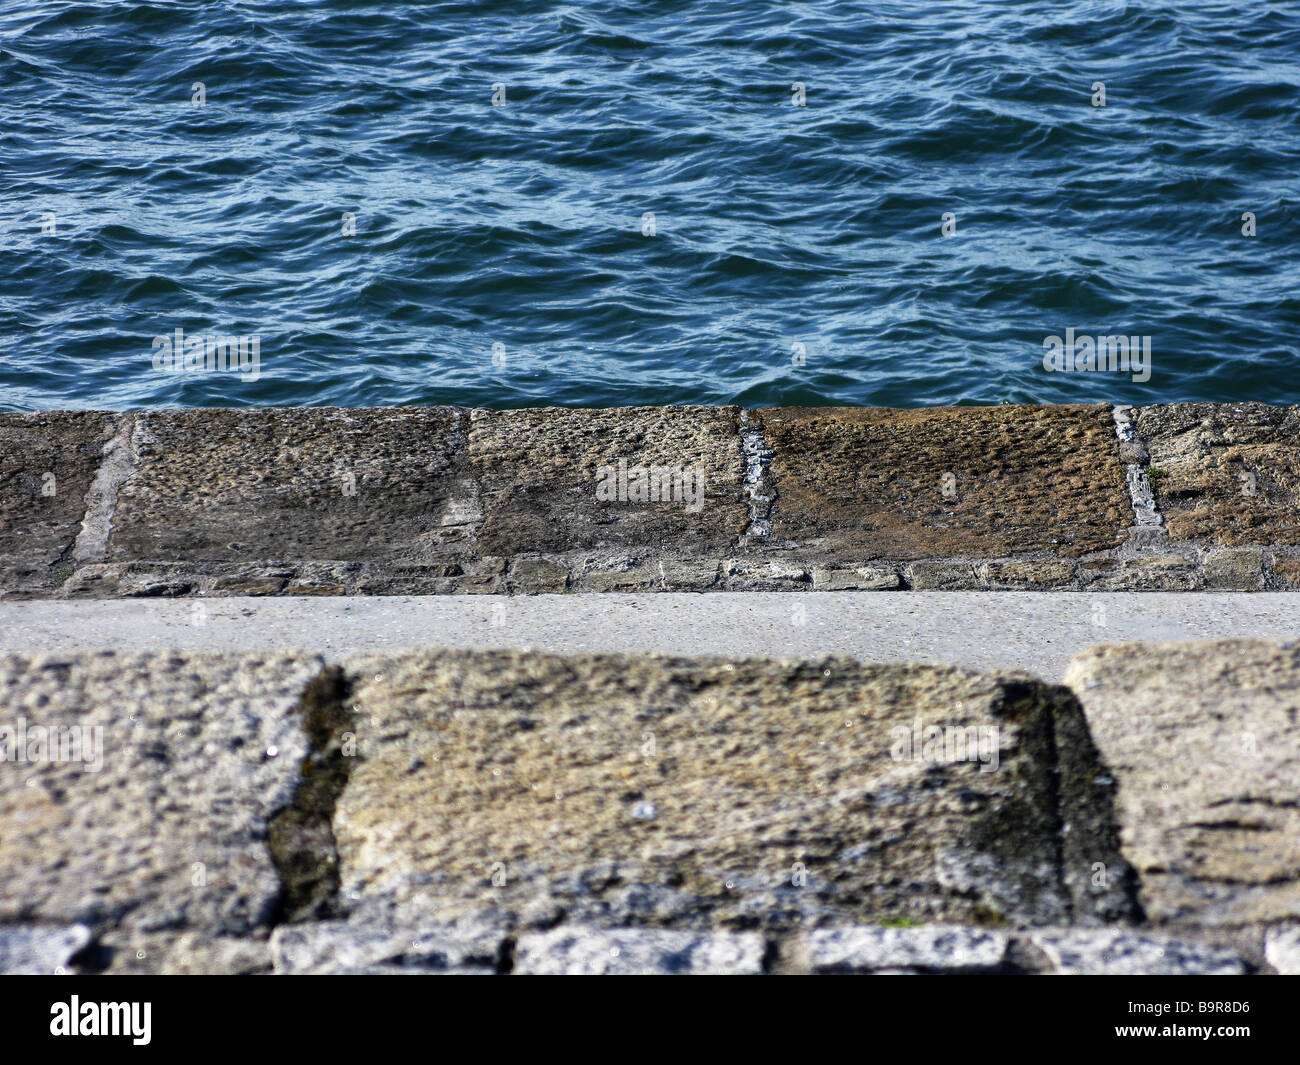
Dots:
pixel 648 203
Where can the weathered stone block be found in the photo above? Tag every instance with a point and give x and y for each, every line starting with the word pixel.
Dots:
pixel 1039 574
pixel 1228 473
pixel 248 585
pixel 1202 741
pixel 127 951
pixel 159 823
pixel 48 461
pixel 538 575
pixel 759 575
pixel 541 471
pixel 1152 574
pixel 935 576
pixel 39 949
pixel 861 578
pixel 699 793
pixel 1282 949
pixel 928 948
pixel 631 951
pixel 380 936
pixel 1235 570
pixel 688 576
pixel 1115 952
pixel 979 482
pixel 629 580
pixel 296 484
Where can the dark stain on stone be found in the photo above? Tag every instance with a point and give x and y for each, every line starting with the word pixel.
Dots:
pixel 1101 885
pixel 301 836
pixel 505 960
pixel 94 958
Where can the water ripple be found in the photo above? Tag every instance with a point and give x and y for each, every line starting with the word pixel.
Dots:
pixel 649 217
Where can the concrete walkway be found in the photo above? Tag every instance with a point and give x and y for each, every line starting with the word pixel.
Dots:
pixel 1034 631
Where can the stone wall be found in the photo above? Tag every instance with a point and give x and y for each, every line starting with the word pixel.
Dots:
pixel 435 500
pixel 508 811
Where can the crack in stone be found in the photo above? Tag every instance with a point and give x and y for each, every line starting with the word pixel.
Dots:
pixel 1262 800
pixel 301 836
pixel 462 511
pixel 1146 512
pixel 121 458
pixel 1087 821
pixel 760 486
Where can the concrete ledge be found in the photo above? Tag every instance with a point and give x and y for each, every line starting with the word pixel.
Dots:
pixel 438 500
pixel 463 811
pixel 987 632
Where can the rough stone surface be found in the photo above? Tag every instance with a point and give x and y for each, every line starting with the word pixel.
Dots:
pixel 754 574
pixel 928 948
pixel 1228 473
pixel 34 949
pixel 1152 573
pixel 399 936
pixel 623 580
pixel 1112 952
pixel 1282 949
pixel 169 834
pixel 595 952
pixel 1203 742
pixel 688 576
pixel 127 951
pixel 701 793
pixel 538 575
pixel 861 578
pixel 440 500
pixel 1239 570
pixel 869 483
pixel 1045 574
pixel 229 487
pixel 1286 570
pixel 942 576
pixel 539 473
pixel 529 813
pixel 47 463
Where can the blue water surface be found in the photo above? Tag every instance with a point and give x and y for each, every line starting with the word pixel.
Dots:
pixel 202 166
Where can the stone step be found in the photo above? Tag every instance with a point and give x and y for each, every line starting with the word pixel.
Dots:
pixel 494 811
pixel 136 791
pixel 685 792
pixel 438 500
pixel 369 948
pixel 1203 740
